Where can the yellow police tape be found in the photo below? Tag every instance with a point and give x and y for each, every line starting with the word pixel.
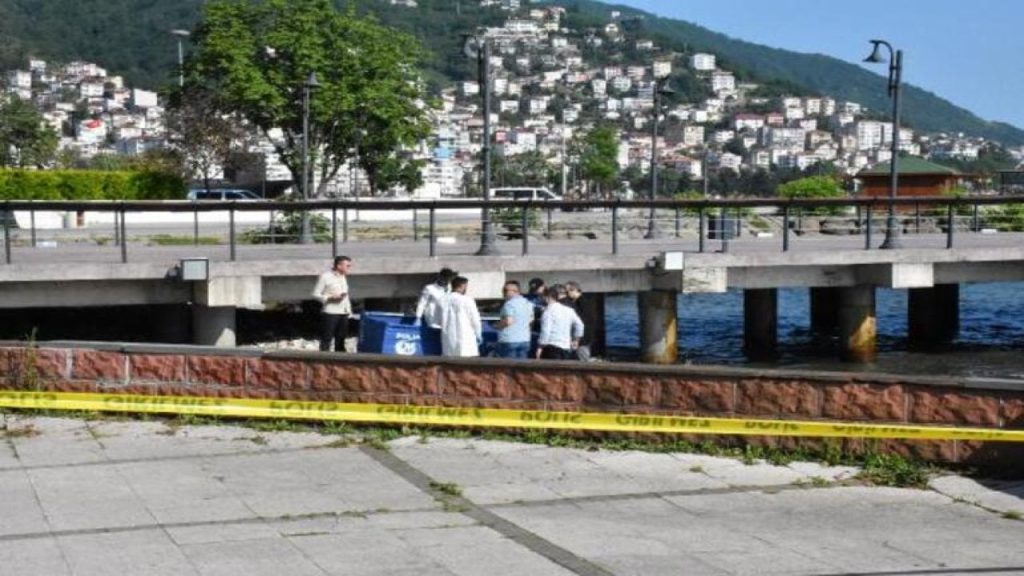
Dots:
pixel 480 417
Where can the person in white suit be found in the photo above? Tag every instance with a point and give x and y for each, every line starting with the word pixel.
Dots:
pixel 461 332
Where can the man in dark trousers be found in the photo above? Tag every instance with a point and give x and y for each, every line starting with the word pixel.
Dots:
pixel 331 290
pixel 576 300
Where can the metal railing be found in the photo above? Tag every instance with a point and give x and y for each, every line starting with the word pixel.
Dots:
pixel 525 222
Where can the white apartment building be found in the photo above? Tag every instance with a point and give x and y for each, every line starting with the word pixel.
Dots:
pixel 748 122
pixel 599 87
pixel 702 62
pixel 662 68
pixel 143 98
pixel 636 72
pixel 722 81
pixel 872 134
pixel 508 106
pixel 723 136
pixel 622 84
pixel 19 79
pixel 693 135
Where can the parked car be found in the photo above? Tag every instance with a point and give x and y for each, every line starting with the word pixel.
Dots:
pixel 525 193
pixel 222 194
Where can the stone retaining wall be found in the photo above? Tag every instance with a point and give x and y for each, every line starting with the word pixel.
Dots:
pixel 569 386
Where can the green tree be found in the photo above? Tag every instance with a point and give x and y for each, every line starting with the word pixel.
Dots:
pixel 813 187
pixel 25 140
pixel 257 55
pixel 598 154
pixel 201 132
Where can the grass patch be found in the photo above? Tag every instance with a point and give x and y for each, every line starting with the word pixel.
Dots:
pixel 447 488
pixel 893 470
pixel 1012 515
pixel 174 240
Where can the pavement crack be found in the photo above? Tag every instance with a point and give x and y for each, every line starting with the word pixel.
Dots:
pixel 525 538
pixel 659 494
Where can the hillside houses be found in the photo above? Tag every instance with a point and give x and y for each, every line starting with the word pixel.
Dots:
pixel 547 82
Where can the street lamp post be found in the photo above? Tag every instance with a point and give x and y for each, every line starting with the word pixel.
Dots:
pixel 892 239
pixel 661 88
pixel 181 34
pixel 480 48
pixel 308 86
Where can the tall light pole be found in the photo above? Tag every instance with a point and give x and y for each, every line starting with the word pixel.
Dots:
pixel 480 48
pixel 661 88
pixel 892 239
pixel 181 34
pixel 308 86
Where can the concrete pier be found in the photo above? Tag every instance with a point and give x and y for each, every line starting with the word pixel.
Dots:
pixel 858 328
pixel 933 315
pixel 658 325
pixel 760 323
pixel 213 325
pixel 824 304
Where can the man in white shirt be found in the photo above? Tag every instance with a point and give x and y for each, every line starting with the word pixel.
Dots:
pixel 331 290
pixel 461 332
pixel 432 298
pixel 560 329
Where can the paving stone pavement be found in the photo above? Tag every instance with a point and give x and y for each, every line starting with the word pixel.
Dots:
pixel 144 498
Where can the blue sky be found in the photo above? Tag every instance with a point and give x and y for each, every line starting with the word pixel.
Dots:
pixel 970 52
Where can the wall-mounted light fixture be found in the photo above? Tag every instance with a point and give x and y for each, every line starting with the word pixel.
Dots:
pixel 195 269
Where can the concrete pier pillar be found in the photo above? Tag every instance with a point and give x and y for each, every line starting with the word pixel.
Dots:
pixel 760 323
pixel 857 325
pixel 824 311
pixel 933 315
pixel 658 324
pixel 213 325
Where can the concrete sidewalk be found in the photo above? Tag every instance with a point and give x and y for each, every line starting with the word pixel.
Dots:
pixel 141 498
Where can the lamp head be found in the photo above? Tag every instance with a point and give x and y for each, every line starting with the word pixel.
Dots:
pixel 471 44
pixel 180 33
pixel 876 56
pixel 311 81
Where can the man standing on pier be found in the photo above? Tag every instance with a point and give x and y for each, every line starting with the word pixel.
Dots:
pixel 560 329
pixel 514 325
pixel 331 290
pixel 461 332
pixel 585 310
pixel 432 298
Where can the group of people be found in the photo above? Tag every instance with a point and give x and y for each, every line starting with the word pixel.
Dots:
pixel 545 322
pixel 549 322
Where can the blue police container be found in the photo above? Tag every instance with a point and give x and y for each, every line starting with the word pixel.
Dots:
pixel 391 333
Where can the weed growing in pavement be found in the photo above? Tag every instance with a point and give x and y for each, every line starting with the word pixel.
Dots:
pixel 893 470
pixel 1012 515
pixel 276 426
pixel 447 488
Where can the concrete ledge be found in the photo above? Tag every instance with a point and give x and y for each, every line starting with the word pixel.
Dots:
pixel 540 385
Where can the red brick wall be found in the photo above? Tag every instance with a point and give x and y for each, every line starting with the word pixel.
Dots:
pixel 567 386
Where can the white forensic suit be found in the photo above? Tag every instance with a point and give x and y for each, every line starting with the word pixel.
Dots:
pixel 460 326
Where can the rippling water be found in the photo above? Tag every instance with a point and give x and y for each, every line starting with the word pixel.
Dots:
pixel 990 344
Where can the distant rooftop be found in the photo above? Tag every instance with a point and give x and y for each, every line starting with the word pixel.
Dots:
pixel 907 165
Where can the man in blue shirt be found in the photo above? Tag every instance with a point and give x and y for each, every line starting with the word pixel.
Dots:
pixel 514 325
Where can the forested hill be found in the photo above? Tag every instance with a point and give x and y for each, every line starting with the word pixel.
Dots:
pixel 130 37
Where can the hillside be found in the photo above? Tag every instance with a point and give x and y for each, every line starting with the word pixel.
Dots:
pixel 130 37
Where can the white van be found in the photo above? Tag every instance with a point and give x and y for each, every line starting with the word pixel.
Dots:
pixel 525 193
pixel 222 194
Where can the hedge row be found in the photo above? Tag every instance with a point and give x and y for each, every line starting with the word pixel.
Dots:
pixel 89 185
